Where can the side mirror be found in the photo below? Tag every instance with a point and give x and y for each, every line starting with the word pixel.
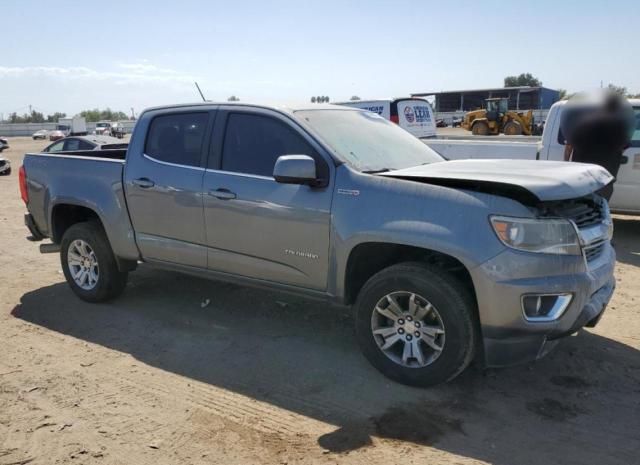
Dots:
pixel 295 169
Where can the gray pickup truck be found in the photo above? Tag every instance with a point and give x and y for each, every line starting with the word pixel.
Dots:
pixel 443 261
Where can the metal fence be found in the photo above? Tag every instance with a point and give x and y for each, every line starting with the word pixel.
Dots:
pixel 27 129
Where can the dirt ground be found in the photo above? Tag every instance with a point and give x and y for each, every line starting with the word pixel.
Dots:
pixel 254 377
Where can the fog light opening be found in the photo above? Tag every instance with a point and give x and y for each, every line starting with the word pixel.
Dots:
pixel 544 307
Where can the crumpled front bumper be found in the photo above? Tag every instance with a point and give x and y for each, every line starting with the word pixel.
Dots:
pixel 502 281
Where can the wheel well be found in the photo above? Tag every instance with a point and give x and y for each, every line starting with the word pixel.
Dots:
pixel 64 216
pixel 369 258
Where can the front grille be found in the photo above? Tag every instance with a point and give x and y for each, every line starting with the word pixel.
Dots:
pixel 594 251
pixel 583 212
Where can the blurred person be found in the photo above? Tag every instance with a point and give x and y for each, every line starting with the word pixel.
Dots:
pixel 597 129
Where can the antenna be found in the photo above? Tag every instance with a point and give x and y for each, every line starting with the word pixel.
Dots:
pixel 201 94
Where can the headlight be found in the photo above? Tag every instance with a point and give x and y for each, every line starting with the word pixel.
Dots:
pixel 553 236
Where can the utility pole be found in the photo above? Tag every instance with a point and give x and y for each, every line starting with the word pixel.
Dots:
pixel 133 115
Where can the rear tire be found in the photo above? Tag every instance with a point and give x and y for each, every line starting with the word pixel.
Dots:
pixel 481 128
pixel 444 312
pixel 512 129
pixel 89 265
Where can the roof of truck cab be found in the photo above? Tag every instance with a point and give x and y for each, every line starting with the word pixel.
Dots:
pixel 287 108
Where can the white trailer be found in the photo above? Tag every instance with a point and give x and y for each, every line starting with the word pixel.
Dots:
pixel 411 113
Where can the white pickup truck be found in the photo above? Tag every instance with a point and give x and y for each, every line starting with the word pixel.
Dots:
pixel 626 196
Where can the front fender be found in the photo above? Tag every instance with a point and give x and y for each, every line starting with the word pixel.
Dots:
pixel 449 221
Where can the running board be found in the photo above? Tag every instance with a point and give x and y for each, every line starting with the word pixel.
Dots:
pixel 49 248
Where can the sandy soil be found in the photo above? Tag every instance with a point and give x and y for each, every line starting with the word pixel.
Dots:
pixel 256 377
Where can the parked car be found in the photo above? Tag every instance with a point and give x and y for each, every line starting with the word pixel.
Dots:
pixel 4 143
pixel 56 135
pixel 440 123
pixel 456 122
pixel 41 134
pixel 443 261
pixel 85 143
pixel 412 114
pixel 5 166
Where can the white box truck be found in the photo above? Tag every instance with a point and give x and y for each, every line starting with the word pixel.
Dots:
pixel 75 126
pixel 412 114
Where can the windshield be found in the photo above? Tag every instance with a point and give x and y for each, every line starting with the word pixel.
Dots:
pixel 368 142
pixel 103 125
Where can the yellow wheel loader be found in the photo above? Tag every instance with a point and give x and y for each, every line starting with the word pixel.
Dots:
pixel 496 118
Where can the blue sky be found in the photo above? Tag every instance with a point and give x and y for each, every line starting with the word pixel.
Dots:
pixel 67 56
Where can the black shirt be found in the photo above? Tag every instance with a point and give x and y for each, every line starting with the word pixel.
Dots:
pixel 598 137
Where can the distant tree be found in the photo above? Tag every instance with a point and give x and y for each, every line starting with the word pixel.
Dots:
pixel 96 114
pixel 36 117
pixel 33 117
pixel 319 99
pixel 55 117
pixel 617 89
pixel 524 79
pixel 563 94
pixel 633 96
pixel 233 98
pixel 354 98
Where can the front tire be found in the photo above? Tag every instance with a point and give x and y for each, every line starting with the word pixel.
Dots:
pixel 512 128
pixel 481 128
pixel 89 265
pixel 415 323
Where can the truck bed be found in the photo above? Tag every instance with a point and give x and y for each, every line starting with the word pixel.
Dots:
pixel 462 149
pixel 89 178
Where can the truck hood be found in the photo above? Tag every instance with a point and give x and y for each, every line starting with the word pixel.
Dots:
pixel 527 180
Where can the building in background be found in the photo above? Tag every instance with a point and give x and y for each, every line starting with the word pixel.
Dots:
pixel 520 98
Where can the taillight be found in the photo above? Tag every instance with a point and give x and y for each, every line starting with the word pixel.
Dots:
pixel 22 179
pixel 395 119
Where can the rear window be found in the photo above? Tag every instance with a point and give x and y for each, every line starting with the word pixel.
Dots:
pixel 177 138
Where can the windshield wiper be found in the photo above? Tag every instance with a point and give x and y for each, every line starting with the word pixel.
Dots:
pixel 381 170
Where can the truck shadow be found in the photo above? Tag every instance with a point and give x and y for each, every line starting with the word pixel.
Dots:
pixel 579 405
pixel 626 238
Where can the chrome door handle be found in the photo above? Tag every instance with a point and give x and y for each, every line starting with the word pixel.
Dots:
pixel 223 194
pixel 144 183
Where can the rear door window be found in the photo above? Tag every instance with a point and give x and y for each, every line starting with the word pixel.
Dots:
pixel 177 138
pixel 77 144
pixel 253 143
pixel 57 147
